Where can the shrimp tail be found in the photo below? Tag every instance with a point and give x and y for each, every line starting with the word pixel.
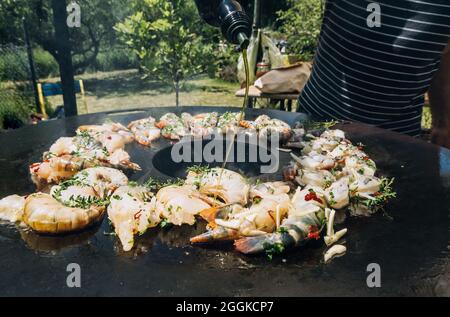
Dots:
pixel 161 124
pixel 210 215
pixel 142 139
pixel 294 232
pixel 259 244
pixel 245 124
pixel 218 234
pixel 131 166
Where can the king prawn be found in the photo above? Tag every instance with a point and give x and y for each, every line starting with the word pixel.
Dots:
pixel 80 180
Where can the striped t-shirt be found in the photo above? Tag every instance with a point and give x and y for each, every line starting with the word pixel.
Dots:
pixel 377 75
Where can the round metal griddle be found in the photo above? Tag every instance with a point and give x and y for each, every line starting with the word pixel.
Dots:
pixel 409 240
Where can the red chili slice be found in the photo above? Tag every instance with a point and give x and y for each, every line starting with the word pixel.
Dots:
pixel 313 196
pixel 35 167
pixel 137 215
pixel 313 233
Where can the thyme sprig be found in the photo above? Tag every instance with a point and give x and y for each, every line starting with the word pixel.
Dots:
pixel 155 184
pixel 273 249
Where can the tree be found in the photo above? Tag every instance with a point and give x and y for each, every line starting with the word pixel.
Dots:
pixel 64 57
pixel 166 36
pixel 301 25
pixel 97 20
pixel 11 14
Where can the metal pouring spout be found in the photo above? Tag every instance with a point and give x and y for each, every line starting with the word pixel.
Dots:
pixel 230 16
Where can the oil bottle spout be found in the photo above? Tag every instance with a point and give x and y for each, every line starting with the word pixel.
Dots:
pixel 230 17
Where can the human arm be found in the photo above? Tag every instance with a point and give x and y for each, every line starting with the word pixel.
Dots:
pixel 440 102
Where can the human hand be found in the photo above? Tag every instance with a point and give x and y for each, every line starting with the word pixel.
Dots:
pixel 441 137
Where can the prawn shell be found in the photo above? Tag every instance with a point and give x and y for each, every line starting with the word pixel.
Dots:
pixel 39 217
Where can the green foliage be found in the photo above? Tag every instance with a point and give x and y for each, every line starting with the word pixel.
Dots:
pixel 165 35
pixel 301 25
pixel 115 59
pixel 96 31
pixel 427 120
pixel 14 64
pixel 15 108
pixel 45 64
pixel 225 64
pixel 11 12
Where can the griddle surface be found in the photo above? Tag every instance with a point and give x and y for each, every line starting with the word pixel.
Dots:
pixel 410 241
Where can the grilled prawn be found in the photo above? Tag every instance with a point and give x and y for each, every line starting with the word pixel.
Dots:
pixel 44 214
pixel 266 126
pixel 172 127
pixel 180 204
pixel 132 211
pixel 228 186
pixel 145 131
pixel 202 124
pixel 304 221
pixel 92 146
pixel 262 217
pixel 295 230
pixel 269 188
pixel 112 136
pixel 71 206
pixel 11 208
pixel 102 180
pixel 57 169
pixel 229 122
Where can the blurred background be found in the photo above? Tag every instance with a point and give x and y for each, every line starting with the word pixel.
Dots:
pixel 129 53
pixel 137 53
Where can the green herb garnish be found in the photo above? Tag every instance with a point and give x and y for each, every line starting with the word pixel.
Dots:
pixel 198 169
pixel 133 184
pixel 379 198
pixel 85 202
pixel 316 125
pixel 164 224
pixel 155 185
pixel 332 201
pixel 273 249
pixel 257 200
pixel 386 192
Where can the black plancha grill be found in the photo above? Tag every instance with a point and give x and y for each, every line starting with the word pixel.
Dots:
pixel 409 240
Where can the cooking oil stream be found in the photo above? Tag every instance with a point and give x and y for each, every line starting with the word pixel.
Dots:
pixel 241 115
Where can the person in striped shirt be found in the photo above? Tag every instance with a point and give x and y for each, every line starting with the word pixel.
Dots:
pixel 376 60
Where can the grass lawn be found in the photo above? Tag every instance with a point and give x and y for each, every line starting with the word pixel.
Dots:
pixel 126 89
